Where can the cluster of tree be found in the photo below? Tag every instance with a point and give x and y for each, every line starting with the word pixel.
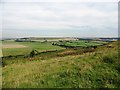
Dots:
pixel 24 40
pixel 63 45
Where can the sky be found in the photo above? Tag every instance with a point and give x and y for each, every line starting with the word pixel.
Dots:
pixel 60 18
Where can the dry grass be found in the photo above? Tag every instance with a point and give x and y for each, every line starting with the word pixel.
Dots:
pixel 13 46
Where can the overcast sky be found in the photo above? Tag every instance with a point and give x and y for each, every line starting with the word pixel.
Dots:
pixel 28 18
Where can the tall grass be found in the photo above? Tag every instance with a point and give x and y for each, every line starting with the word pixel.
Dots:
pixel 98 69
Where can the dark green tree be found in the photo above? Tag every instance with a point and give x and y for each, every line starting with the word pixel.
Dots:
pixel 32 53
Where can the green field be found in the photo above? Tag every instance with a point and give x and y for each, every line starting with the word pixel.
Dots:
pixel 41 46
pixel 65 68
pixel 29 47
pixel 82 43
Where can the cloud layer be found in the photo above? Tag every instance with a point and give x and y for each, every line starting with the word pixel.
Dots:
pixel 78 19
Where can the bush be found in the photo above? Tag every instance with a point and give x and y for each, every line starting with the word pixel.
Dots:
pixel 108 59
pixel 4 64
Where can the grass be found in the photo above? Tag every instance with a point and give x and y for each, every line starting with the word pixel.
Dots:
pixel 98 69
pixel 42 46
pixel 30 46
pixel 83 43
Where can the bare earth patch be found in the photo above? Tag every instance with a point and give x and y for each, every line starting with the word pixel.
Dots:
pixel 13 46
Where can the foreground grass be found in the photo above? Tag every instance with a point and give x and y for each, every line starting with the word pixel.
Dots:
pixel 96 69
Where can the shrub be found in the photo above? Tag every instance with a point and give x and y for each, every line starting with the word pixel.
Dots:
pixel 4 64
pixel 108 59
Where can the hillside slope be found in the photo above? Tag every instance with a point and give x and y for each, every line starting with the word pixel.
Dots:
pixel 100 68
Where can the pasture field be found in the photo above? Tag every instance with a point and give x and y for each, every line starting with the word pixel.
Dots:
pixel 66 68
pixel 24 48
pixel 12 48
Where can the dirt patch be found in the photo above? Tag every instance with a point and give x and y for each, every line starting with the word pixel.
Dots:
pixel 13 46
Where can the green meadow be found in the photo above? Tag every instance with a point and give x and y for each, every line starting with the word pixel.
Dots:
pixel 29 46
pixel 63 68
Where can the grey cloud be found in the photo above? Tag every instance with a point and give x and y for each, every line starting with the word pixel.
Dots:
pixel 64 16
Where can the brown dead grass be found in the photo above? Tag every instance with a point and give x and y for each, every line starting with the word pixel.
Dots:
pixel 13 46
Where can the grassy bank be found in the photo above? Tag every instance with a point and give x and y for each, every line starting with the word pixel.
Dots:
pixel 100 68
